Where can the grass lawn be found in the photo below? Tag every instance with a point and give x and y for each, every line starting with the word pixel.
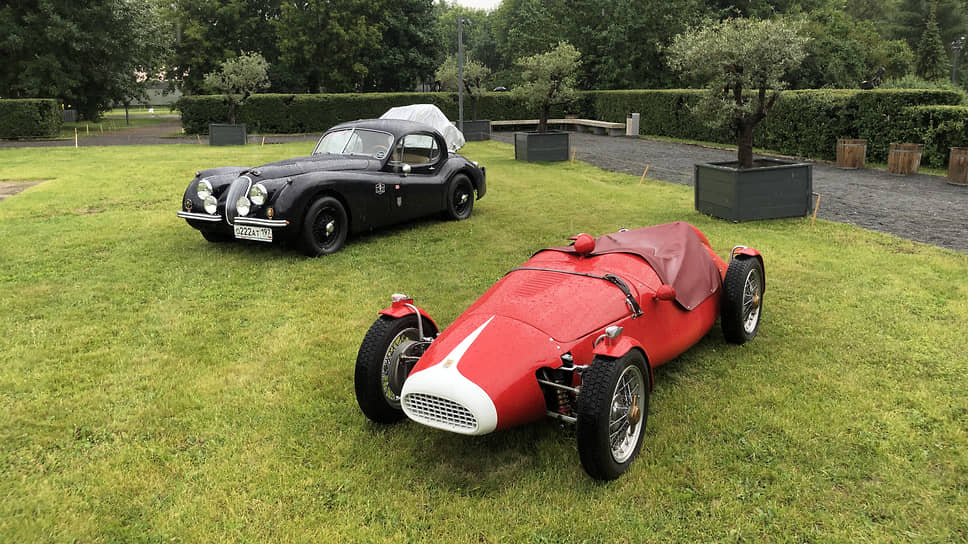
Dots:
pixel 158 388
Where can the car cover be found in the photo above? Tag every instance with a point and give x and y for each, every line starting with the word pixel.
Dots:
pixel 429 114
pixel 674 251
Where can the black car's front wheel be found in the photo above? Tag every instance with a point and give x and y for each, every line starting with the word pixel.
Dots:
pixel 325 227
pixel 216 237
pixel 460 198
pixel 612 410
pixel 742 306
pixel 389 350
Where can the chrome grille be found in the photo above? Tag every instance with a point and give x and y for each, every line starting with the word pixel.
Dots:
pixel 238 188
pixel 432 409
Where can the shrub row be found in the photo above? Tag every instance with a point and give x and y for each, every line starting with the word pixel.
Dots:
pixel 803 123
pixel 30 118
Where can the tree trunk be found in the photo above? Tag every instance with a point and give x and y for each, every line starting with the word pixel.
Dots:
pixel 744 142
pixel 231 112
pixel 543 121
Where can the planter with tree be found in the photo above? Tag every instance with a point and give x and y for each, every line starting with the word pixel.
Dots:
pixel 237 79
pixel 743 62
pixel 549 80
pixel 475 85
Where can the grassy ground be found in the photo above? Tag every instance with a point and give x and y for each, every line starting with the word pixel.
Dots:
pixel 155 387
pixel 107 124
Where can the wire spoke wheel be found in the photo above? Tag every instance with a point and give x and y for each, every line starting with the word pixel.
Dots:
pixel 742 303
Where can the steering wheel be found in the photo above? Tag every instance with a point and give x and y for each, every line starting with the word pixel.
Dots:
pixel 379 150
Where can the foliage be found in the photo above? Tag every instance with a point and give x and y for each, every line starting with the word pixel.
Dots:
pixel 931 61
pixel 735 56
pixel 548 79
pixel 86 54
pixel 157 388
pixel 238 78
pixel 208 32
pixel 408 50
pixel 476 77
pixel 29 118
pixel 478 32
pixel 915 82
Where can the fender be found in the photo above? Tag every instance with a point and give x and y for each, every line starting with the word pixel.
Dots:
pixel 403 306
pixel 619 347
pixel 742 252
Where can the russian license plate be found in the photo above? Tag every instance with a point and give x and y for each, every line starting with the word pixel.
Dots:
pixel 245 232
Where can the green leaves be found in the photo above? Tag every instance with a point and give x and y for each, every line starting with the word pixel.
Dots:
pixel 548 79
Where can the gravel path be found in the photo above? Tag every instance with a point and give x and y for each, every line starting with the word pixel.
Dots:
pixel 918 207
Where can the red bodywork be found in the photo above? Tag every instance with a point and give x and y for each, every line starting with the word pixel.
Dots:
pixel 551 306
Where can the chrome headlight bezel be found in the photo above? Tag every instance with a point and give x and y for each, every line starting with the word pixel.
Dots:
pixel 258 194
pixel 211 204
pixel 203 189
pixel 243 206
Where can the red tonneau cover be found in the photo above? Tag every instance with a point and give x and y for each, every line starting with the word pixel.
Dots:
pixel 675 253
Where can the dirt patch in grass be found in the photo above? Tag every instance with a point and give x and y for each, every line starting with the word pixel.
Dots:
pixel 10 187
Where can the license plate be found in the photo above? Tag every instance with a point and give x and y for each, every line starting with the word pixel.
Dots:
pixel 261 234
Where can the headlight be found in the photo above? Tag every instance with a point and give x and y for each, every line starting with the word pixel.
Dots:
pixel 211 205
pixel 204 189
pixel 242 205
pixel 258 194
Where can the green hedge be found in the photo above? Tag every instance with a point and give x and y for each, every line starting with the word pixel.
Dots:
pixel 803 123
pixel 30 118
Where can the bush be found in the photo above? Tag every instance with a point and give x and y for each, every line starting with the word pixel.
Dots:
pixel 30 118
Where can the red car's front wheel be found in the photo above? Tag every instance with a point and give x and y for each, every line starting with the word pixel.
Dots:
pixel 612 410
pixel 383 362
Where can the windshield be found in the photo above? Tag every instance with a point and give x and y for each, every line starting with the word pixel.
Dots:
pixel 356 142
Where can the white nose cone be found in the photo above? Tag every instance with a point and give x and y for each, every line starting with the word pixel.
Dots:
pixel 441 397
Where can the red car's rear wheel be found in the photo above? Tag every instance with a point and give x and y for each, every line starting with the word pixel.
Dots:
pixel 612 410
pixel 383 362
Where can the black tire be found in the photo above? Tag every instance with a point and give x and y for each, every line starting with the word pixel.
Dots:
pixel 216 237
pixel 373 373
pixel 610 389
pixel 325 227
pixel 460 198
pixel 742 306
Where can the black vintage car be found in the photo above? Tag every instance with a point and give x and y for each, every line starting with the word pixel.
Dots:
pixel 362 175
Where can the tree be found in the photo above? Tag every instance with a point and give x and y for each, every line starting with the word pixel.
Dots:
pixel 323 43
pixel 238 78
pixel 209 31
pixel 549 79
pixel 408 51
pixel 736 57
pixel 931 60
pixel 475 79
pixel 88 54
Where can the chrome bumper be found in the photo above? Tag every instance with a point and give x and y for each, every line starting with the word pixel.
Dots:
pixel 256 222
pixel 253 221
pixel 200 217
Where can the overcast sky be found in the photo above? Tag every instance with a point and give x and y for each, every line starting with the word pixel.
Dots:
pixel 480 4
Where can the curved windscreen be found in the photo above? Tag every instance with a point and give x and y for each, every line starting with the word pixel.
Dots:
pixel 355 141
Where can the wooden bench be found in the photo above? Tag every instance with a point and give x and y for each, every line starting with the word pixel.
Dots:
pixel 591 125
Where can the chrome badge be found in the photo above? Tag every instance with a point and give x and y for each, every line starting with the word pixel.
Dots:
pixel 380 188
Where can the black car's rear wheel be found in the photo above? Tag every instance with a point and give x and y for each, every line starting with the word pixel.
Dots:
pixel 742 306
pixel 612 410
pixel 387 355
pixel 325 227
pixel 460 198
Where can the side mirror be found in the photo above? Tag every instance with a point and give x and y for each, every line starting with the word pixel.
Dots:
pixel 665 292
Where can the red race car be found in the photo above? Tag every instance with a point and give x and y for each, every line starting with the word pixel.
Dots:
pixel 573 334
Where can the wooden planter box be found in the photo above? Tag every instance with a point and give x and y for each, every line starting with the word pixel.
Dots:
pixel 541 146
pixel 904 159
pixel 770 190
pixel 226 134
pixel 958 166
pixel 851 153
pixel 476 131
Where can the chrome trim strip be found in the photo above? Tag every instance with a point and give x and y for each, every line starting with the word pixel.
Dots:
pixel 255 221
pixel 200 217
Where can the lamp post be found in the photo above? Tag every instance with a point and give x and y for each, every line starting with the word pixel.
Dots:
pixel 956 47
pixel 460 72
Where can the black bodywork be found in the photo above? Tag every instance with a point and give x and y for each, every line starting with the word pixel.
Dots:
pixel 362 175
